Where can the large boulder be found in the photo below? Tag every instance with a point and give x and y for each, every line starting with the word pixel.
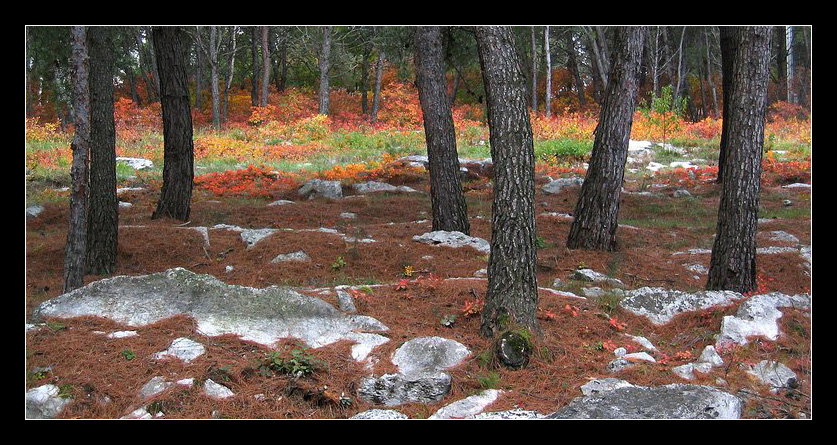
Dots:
pixel 676 401
pixel 421 378
pixel 260 315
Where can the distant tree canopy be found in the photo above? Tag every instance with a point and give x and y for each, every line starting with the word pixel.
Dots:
pixel 686 59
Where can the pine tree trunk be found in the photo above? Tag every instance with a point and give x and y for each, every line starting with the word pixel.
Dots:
pixel 325 55
pixel 733 262
pixel 512 296
pixel 103 214
pixel 447 200
pixel 76 249
pixel 265 66
pixel 597 209
pixel 178 146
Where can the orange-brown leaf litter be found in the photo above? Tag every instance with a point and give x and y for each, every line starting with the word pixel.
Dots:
pixel 104 376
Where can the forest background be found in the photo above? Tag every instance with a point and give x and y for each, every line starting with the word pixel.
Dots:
pixel 372 113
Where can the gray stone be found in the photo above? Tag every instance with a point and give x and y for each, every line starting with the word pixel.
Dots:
pixel 295 257
pixel 216 390
pixel 453 239
pixel 396 389
pixel 661 305
pixel 555 187
pixel 260 315
pixel 379 414
pixel 592 276
pixel 319 188
pixel 758 316
pixel 44 402
pixel 183 349
pixel 420 377
pixel 376 186
pixel 775 374
pixel 467 407
pixel 675 401
pixel 602 385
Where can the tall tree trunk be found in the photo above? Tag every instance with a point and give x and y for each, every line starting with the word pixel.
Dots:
pixel 447 201
pixel 103 214
pixel 547 106
pixel 572 65
pixel 254 54
pixel 733 262
pixel 597 209
pixel 325 65
pixel 230 73
pixel 512 295
pixel 710 79
pixel 376 95
pixel 215 77
pixel 534 91
pixel 76 249
pixel 178 146
pixel 265 65
pixel 728 35
pixel 364 74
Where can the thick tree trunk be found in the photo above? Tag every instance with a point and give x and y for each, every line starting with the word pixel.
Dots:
pixel 178 146
pixel 76 250
pixel 733 263
pixel 103 214
pixel 597 209
pixel 325 65
pixel 512 296
pixel 447 200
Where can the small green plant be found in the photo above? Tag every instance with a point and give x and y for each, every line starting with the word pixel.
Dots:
pixel 128 354
pixel 491 380
pixel 338 264
pixel 298 362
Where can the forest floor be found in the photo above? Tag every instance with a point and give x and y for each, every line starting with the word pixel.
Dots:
pixel 412 293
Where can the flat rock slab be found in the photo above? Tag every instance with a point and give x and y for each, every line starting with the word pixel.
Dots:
pixel 260 315
pixel 677 401
pixel 661 305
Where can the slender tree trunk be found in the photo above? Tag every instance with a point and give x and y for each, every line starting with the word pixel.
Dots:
pixel 376 95
pixel 265 66
pixel 325 65
pixel 597 209
pixel 547 107
pixel 709 78
pixel 572 66
pixel 733 262
pixel 447 200
pixel 254 53
pixel 534 71
pixel 230 74
pixel 364 74
pixel 103 214
pixel 200 67
pixel 215 77
pixel 727 58
pixel 76 250
pixel 178 146
pixel 512 295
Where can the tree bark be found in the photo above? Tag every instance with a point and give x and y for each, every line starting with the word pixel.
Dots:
pixel 733 262
pixel 76 249
pixel 727 34
pixel 265 66
pixel 512 296
pixel 103 213
pixel 547 106
pixel 178 146
pixel 447 201
pixel 325 65
pixel 597 209
pixel 376 95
